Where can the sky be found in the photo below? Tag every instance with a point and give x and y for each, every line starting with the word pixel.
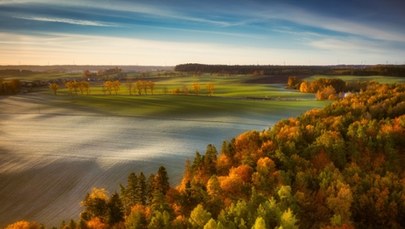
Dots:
pixel 170 32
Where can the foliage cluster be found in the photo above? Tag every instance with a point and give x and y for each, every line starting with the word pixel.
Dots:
pixel 9 87
pixel 73 87
pixel 325 88
pixel 195 89
pixel 111 86
pixel 140 86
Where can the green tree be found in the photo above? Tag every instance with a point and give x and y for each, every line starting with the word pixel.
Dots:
pixel 115 210
pixel 141 189
pixel 259 223
pixel 160 220
pixel 137 218
pixel 161 181
pixel 270 212
pixel 288 220
pixel 131 190
pixel 210 160
pixel 199 217
pixel 214 187
pixel 237 215
pixel 211 224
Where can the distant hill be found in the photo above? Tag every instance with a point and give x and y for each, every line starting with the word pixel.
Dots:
pixel 80 68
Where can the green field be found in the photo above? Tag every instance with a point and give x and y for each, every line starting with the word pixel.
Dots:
pixel 179 106
pixel 231 96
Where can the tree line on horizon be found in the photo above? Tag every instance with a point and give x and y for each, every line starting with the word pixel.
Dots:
pixel 336 167
pixel 358 70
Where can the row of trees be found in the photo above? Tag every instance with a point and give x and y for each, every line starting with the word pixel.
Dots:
pixel 73 87
pixel 111 86
pixel 140 87
pixel 195 89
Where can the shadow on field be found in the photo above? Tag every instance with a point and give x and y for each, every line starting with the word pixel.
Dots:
pixel 51 191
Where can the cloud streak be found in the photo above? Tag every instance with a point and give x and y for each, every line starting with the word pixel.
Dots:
pixel 68 21
pixel 316 20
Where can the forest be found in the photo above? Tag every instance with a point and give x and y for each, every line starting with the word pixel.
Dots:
pixel 358 70
pixel 336 167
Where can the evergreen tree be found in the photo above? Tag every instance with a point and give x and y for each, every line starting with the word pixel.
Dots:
pixel 210 159
pixel 150 187
pixel 132 188
pixel 161 181
pixel 115 210
pixel 142 189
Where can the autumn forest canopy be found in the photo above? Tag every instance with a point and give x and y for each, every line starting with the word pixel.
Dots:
pixel 336 167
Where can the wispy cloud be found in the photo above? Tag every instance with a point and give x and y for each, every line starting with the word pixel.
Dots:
pixel 165 11
pixel 161 11
pixel 341 25
pixel 338 45
pixel 68 21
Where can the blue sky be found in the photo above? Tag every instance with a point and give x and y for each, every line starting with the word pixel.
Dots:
pixel 170 32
